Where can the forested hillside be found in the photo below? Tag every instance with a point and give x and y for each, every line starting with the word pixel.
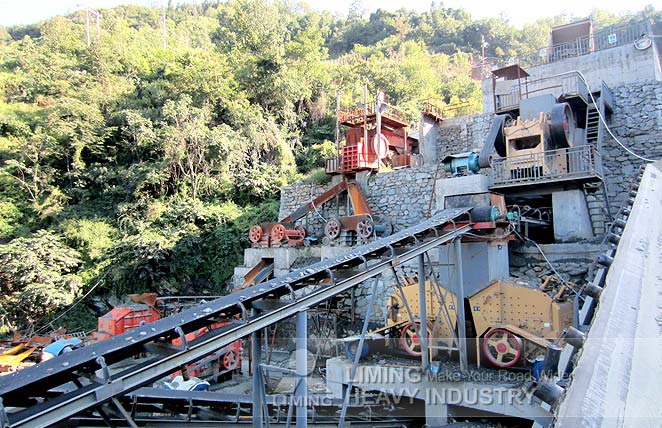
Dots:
pixel 127 167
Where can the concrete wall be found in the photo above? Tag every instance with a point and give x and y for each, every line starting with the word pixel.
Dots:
pixel 617 66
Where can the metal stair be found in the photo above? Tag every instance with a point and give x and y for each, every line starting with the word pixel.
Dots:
pixel 592 124
pixel 597 207
pixel 597 198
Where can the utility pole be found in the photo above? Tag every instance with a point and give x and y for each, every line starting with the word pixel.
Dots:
pixel 87 23
pixel 483 45
pixel 338 93
pixel 163 24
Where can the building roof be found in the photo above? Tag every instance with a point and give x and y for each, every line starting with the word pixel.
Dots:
pixel 510 72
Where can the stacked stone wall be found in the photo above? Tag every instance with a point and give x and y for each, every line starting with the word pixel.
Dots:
pixel 637 122
pixel 463 133
pixel 400 197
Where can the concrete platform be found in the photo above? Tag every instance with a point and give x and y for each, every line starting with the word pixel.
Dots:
pixel 617 380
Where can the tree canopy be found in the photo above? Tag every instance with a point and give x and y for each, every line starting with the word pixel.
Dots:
pixel 141 168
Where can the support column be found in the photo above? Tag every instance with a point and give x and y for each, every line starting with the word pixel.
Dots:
pixel 256 358
pixel 436 415
pixel 459 293
pixel 572 221
pixel 301 391
pixel 422 302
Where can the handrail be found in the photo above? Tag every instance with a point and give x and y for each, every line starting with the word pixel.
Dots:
pixel 598 41
pixel 552 165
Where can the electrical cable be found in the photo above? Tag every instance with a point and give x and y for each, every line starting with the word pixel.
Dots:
pixel 602 119
pixel 312 202
pixel 556 272
pixel 73 305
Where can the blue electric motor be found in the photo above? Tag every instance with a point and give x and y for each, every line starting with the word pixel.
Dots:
pixel 462 163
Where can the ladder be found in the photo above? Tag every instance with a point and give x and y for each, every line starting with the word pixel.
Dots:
pixel 597 197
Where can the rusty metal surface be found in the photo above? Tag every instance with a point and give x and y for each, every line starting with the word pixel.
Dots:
pixel 318 201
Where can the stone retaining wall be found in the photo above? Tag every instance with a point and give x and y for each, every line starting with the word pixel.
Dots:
pixel 463 133
pixel 637 122
pixel 400 197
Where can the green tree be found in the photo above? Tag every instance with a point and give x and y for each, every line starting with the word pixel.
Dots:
pixel 37 276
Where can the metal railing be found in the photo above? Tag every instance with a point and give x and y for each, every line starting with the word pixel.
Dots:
pixel 600 40
pixel 355 114
pixel 439 110
pixel 554 165
pixel 567 85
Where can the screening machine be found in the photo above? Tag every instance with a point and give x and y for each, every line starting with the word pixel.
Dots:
pixel 512 321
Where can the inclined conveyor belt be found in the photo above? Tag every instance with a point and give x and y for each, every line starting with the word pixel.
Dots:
pixel 616 381
pixel 35 393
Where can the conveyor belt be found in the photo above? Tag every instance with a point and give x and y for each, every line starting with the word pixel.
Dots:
pixel 616 381
pixel 31 389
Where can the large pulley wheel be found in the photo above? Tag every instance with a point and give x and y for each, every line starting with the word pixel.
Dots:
pixel 332 228
pixel 278 233
pixel 365 228
pixel 502 348
pixel 230 360
pixel 301 230
pixel 410 341
pixel 562 127
pixel 255 233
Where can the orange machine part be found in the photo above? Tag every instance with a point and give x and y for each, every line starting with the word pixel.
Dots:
pixel 120 320
pixel 359 202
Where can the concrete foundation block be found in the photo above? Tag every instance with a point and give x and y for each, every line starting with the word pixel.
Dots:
pixel 476 183
pixel 283 257
pixel 572 221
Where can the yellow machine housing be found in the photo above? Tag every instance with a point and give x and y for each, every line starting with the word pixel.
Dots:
pixel 504 304
pixel 438 320
pixel 512 320
pixel 529 147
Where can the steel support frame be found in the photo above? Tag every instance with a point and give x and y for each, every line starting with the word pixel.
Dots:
pixel 301 390
pixel 53 411
pixel 359 350
pixel 256 360
pixel 422 301
pixel 459 293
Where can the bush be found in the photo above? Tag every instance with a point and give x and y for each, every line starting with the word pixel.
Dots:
pixel 90 237
pixel 318 176
pixel 314 156
pixel 37 277
pixel 10 220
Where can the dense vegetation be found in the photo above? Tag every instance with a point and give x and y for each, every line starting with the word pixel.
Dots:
pixel 127 167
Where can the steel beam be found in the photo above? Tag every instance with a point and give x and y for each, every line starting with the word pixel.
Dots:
pixel 256 357
pixel 422 301
pixel 459 293
pixel 301 391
